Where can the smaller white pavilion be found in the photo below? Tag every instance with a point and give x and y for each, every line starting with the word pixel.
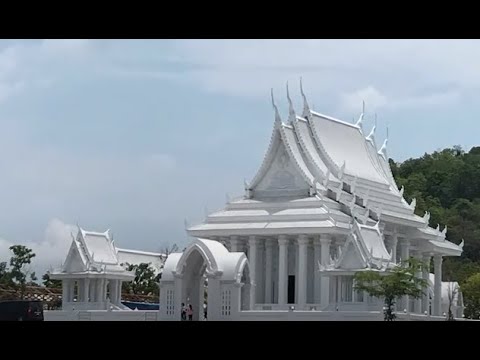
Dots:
pixel 94 269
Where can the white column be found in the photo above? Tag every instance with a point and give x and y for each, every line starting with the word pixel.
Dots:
pixel 86 288
pixel 426 276
pixel 393 244
pixel 324 280
pixel 316 273
pixel 404 255
pixel 268 270
pixel 119 291
pixel 417 305
pixel 302 271
pixel 437 289
pixel 92 293
pixel 234 243
pixel 282 269
pixel 253 244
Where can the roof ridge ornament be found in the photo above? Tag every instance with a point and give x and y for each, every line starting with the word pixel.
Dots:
pixel 413 204
pixel 278 119
pixel 359 122
pixel 461 244
pixel 383 149
pixel 306 109
pixel 370 136
pixel 402 189
pixel 291 110
pixel 444 231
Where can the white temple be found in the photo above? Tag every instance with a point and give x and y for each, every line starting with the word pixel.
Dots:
pixel 94 269
pixel 323 205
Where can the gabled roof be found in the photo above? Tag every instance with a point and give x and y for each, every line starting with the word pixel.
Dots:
pixel 93 253
pixel 364 249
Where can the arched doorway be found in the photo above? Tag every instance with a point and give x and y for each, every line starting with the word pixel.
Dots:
pixel 245 291
pixel 193 284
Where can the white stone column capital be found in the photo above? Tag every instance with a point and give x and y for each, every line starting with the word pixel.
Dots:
pixel 303 240
pixel 438 259
pixel 283 240
pixel 253 240
pixel 405 242
pixel 325 240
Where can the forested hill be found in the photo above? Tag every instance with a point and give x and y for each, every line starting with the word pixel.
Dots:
pixel 447 184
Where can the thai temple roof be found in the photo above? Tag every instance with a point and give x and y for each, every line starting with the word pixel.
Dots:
pixel 94 254
pixel 320 173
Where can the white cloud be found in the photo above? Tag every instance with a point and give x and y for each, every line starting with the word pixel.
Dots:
pixel 335 70
pixel 50 252
pixel 375 100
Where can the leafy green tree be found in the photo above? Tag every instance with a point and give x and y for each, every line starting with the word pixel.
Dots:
pixel 471 296
pixel 393 284
pixel 50 283
pixel 144 282
pixel 22 256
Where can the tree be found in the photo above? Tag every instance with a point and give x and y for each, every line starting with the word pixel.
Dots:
pixel 22 256
pixel 5 275
pixel 50 283
pixel 144 281
pixel 392 284
pixel 471 295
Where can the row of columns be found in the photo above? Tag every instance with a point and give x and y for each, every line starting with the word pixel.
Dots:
pixel 91 290
pixel 321 283
pixel 422 304
pixel 321 254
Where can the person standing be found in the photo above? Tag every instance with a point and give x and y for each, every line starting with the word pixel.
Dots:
pixel 190 312
pixel 183 312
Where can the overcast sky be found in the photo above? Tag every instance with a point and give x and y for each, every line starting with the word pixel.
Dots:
pixel 138 135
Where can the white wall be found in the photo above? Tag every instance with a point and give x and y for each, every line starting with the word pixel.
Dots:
pixel 101 315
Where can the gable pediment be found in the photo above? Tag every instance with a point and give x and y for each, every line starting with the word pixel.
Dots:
pixel 281 178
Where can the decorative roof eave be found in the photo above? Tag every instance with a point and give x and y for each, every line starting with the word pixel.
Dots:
pixel 321 176
pixel 126 276
pixel 275 140
pixel 308 177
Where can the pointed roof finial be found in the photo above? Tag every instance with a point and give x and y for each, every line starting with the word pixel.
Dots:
pixel 360 119
pixel 291 110
pixel 306 108
pixel 372 132
pixel 277 115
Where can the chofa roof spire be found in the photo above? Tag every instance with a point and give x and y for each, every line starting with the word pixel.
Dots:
pixel 291 110
pixel 277 115
pixel 372 132
pixel 359 122
pixel 306 108
pixel 383 149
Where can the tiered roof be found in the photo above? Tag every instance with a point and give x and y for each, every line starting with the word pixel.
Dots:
pixel 320 172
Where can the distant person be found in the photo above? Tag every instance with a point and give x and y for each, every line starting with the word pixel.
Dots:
pixel 205 311
pixel 184 312
pixel 190 312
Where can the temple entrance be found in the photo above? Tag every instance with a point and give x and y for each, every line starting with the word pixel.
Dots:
pixel 245 292
pixel 193 287
pixel 291 289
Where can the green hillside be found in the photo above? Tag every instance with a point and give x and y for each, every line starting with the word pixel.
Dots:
pixel 447 184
